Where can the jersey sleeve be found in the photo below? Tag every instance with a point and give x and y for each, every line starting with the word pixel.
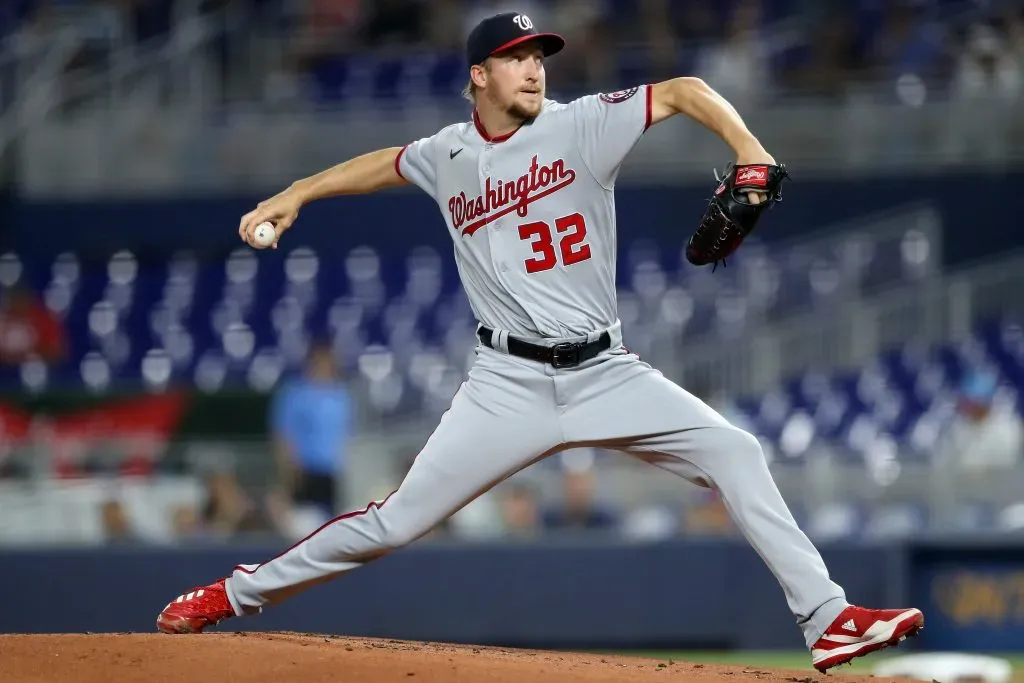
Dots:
pixel 417 163
pixel 608 125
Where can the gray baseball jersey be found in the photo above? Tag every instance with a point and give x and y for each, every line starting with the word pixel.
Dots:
pixel 532 216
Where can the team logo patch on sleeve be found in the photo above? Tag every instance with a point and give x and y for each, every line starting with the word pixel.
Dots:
pixel 619 95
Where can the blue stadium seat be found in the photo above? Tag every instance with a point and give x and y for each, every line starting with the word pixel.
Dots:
pixel 239 319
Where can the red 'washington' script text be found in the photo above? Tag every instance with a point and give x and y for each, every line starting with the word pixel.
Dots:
pixel 471 214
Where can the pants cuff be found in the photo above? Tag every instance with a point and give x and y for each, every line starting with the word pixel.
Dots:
pixel 822 618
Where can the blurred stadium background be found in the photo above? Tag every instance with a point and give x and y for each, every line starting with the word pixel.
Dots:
pixel 167 393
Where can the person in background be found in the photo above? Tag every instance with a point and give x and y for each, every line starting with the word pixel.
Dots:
pixel 987 67
pixel 227 509
pixel 579 508
pixel 509 511
pixel 986 433
pixel 226 512
pixel 707 516
pixel 187 524
pixel 520 513
pixel 311 420
pixel 738 67
pixel 28 329
pixel 117 524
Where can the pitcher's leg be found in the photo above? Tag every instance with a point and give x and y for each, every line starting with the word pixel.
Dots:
pixel 480 441
pixel 502 419
pixel 731 461
pixel 632 407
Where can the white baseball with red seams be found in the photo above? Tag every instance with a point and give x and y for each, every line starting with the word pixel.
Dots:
pixel 264 235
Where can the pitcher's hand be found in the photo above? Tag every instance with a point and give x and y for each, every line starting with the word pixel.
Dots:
pixel 281 210
pixel 755 156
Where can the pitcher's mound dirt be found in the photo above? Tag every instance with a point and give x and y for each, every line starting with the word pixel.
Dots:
pixel 304 658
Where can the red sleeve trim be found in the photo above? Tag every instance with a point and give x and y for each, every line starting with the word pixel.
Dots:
pixel 398 159
pixel 650 106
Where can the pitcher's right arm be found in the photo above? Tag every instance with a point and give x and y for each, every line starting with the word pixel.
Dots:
pixel 364 174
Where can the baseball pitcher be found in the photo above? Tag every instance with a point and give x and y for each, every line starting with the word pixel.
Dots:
pixel 526 189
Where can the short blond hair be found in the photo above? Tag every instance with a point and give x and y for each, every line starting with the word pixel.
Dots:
pixel 469 92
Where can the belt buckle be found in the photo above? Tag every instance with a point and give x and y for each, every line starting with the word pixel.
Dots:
pixel 566 355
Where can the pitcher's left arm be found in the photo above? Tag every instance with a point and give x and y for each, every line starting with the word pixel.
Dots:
pixel 696 99
pixel 749 186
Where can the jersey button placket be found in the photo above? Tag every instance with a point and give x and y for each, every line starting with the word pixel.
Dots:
pixel 493 228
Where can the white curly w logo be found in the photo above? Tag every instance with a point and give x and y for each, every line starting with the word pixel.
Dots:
pixel 523 22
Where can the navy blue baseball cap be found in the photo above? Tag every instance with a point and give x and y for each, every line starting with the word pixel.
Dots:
pixel 506 30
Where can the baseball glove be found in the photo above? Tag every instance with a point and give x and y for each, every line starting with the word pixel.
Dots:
pixel 730 217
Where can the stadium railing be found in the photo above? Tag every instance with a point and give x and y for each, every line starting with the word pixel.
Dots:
pixel 935 309
pixel 177 100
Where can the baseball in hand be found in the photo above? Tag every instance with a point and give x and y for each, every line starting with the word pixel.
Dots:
pixel 264 235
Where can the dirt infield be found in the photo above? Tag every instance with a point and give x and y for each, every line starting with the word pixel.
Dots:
pixel 305 658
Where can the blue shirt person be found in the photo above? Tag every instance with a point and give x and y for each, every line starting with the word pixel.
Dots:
pixel 311 420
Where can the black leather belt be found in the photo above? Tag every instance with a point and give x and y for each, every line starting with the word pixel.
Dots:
pixel 563 355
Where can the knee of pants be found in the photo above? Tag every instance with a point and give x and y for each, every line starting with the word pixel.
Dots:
pixel 395 539
pixel 729 448
pixel 395 536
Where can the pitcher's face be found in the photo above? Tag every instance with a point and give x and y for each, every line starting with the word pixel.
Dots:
pixel 515 80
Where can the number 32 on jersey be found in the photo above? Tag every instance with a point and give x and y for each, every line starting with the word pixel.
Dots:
pixel 571 229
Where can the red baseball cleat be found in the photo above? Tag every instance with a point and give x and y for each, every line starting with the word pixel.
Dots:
pixel 858 631
pixel 195 610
